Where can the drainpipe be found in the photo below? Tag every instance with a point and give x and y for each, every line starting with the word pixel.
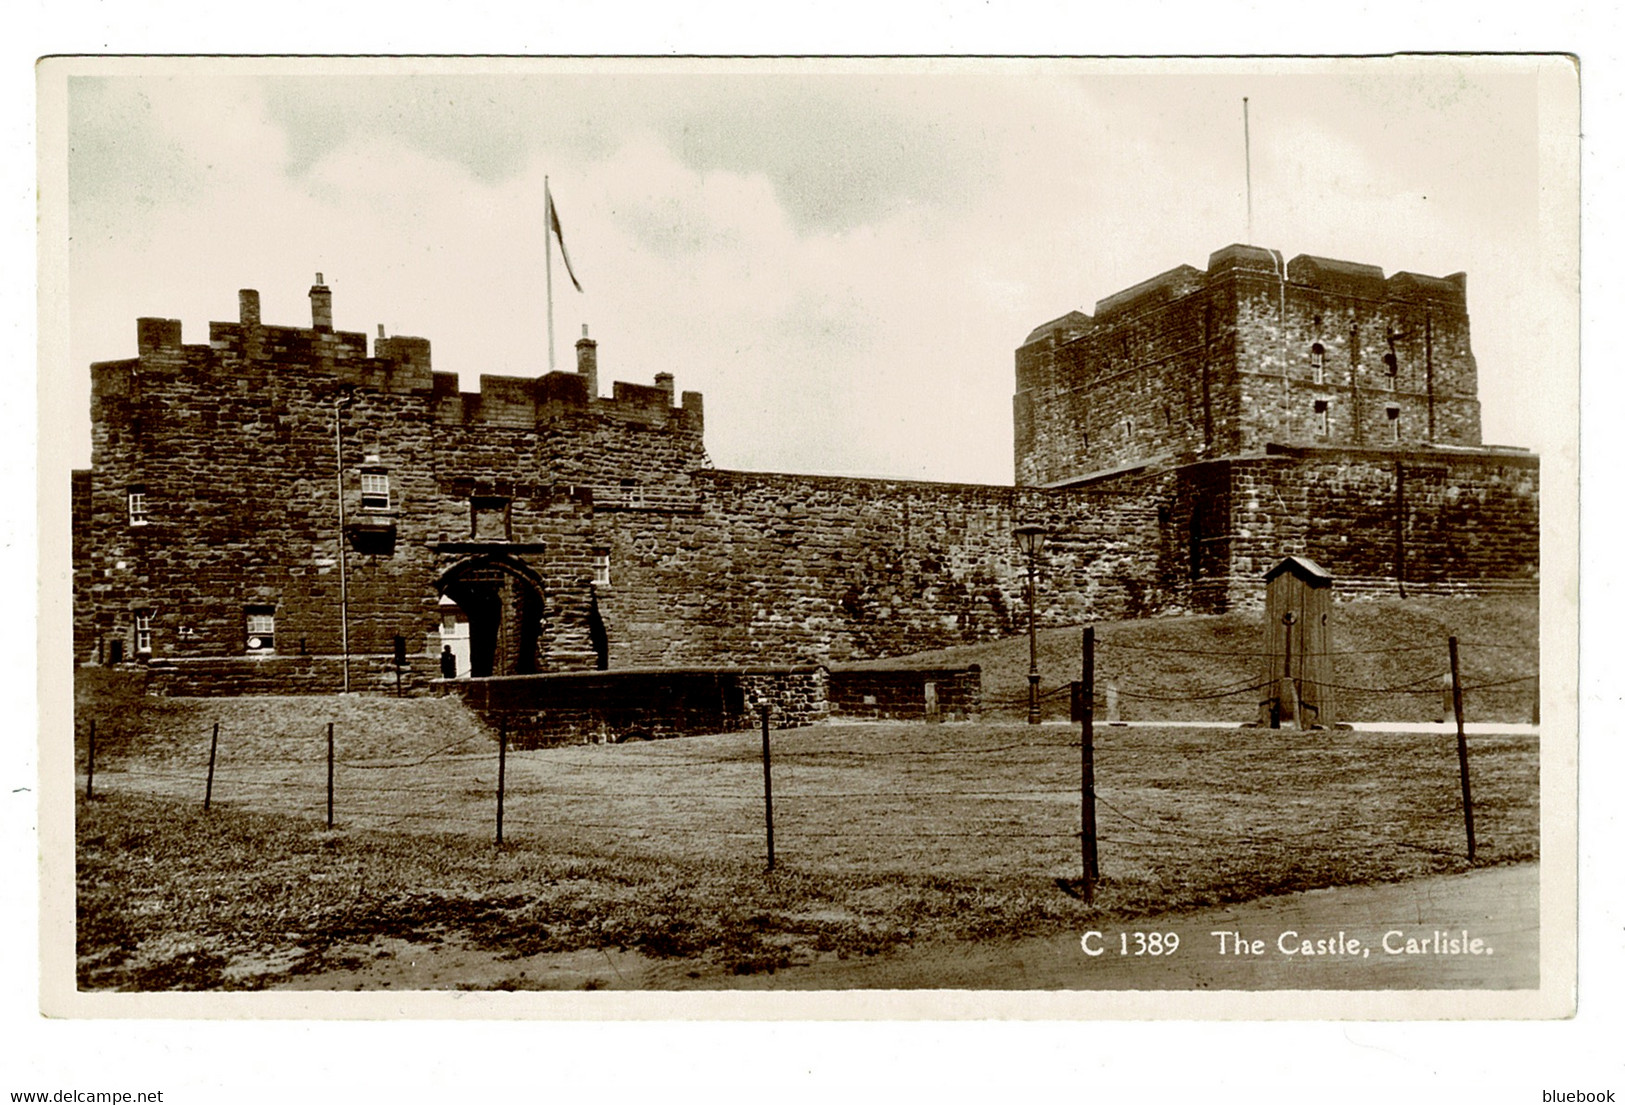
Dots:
pixel 344 582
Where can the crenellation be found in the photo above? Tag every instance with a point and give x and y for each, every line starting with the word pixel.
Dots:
pixel 279 485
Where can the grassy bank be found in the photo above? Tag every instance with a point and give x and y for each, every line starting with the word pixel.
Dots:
pixel 1391 658
pixel 886 834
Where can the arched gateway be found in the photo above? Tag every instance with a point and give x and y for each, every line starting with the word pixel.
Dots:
pixel 503 598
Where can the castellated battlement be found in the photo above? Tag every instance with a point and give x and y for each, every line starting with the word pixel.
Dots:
pixel 248 349
pixel 271 511
pixel 1252 350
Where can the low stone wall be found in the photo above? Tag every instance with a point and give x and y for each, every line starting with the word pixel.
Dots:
pixel 905 692
pixel 642 703
pixel 235 675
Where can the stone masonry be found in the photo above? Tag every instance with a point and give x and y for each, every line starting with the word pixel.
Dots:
pixel 264 505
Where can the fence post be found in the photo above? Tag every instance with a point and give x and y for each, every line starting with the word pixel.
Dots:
pixel 502 770
pixel 1461 750
pixel 1091 854
pixel 208 788
pixel 767 782
pixel 330 775
pixel 90 763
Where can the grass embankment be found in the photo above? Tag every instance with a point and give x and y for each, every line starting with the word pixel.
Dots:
pixel 1391 657
pixel 886 834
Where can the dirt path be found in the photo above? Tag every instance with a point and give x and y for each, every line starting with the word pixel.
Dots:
pixel 1498 907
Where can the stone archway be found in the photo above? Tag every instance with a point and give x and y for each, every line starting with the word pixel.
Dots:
pixel 503 599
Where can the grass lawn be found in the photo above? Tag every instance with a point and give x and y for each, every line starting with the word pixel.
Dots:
pixel 885 834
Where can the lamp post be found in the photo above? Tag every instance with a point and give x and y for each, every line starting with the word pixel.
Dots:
pixel 1030 540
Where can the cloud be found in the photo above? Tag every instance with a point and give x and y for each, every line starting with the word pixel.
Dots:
pixel 843 265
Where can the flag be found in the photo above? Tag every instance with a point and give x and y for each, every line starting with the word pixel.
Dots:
pixel 556 229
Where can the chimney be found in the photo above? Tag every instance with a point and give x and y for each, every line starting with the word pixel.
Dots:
pixel 321 305
pixel 667 383
pixel 248 314
pixel 587 361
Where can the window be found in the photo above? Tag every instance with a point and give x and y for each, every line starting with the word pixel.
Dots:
pixel 600 570
pixel 1323 413
pixel 1393 420
pixel 138 506
pixel 261 623
pixel 1317 362
pixel 143 632
pixel 632 492
pixel 1390 361
pixel 375 491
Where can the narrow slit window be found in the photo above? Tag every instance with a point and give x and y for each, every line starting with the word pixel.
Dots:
pixel 1317 362
pixel 1390 363
pixel 1393 420
pixel 1323 415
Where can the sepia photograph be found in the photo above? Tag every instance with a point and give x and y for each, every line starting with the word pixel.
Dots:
pixel 842 537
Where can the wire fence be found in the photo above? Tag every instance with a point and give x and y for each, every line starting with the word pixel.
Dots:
pixel 988 794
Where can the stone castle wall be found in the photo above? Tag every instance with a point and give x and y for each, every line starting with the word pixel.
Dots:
pixel 1197 364
pixel 1173 420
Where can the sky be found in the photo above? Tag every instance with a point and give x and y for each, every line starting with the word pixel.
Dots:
pixel 842 257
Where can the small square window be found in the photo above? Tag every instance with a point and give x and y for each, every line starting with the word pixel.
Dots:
pixel 374 491
pixel 600 570
pixel 261 624
pixel 138 508
pixel 143 632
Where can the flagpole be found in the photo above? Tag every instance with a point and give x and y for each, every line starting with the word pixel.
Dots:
pixel 547 232
pixel 1247 141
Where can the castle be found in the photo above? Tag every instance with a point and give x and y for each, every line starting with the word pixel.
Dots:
pixel 279 510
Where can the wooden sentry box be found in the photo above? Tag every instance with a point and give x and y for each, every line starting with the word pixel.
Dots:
pixel 1300 590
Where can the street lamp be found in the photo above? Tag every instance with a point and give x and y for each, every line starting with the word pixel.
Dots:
pixel 1030 540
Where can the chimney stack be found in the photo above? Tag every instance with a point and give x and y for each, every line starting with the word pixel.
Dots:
pixel 321 305
pixel 587 361
pixel 248 316
pixel 667 383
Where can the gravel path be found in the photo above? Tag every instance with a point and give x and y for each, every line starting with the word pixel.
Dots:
pixel 1499 907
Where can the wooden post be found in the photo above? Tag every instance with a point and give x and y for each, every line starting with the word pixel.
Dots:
pixel 330 775
pixel 214 744
pixel 1461 751
pixel 1091 855
pixel 90 763
pixel 767 783
pixel 502 771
